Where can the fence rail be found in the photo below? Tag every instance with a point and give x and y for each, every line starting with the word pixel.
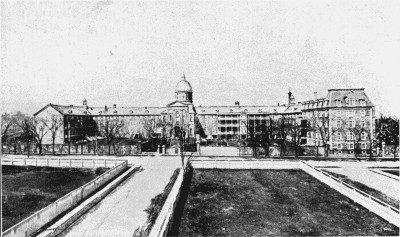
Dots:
pixel 61 162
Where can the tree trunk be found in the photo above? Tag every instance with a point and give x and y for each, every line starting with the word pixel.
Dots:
pixel 40 147
pixel 109 149
pixel 54 152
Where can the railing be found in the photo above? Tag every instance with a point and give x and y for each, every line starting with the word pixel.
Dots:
pixel 61 162
pixel 374 204
pixel 244 164
pixel 40 218
pixel 354 188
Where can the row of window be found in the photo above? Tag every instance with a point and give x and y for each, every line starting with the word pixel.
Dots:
pixel 349 145
pixel 350 102
pixel 350 123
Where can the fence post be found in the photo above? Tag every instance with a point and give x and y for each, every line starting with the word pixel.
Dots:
pixel 70 162
pixel 25 161
pixel 36 161
pixel 105 163
pixel 94 165
pixel 48 162
pixel 115 162
pixel 82 162
pixel 12 160
pixel 59 162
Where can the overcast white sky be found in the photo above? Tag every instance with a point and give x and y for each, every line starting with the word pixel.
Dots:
pixel 134 53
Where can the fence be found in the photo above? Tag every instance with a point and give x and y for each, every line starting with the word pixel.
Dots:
pixel 34 222
pixel 382 209
pixel 244 164
pixel 21 148
pixel 61 162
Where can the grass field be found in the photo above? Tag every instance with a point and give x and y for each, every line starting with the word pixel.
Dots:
pixel 26 190
pixel 394 172
pixel 272 203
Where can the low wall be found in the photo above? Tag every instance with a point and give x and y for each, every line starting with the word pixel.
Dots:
pixel 163 221
pixel 34 222
pixel 61 162
pixel 244 164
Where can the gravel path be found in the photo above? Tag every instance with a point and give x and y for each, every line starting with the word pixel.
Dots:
pixel 122 211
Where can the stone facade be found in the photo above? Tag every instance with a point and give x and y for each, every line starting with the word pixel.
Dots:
pixel 332 119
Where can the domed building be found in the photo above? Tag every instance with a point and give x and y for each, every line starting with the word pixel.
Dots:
pixel 184 91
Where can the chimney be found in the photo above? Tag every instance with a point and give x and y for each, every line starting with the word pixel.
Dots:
pixel 115 106
pixel 105 108
pixel 84 102
pixel 315 95
pixel 278 103
pixel 237 103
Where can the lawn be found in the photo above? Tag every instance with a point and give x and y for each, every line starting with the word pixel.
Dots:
pixel 393 172
pixel 272 203
pixel 26 190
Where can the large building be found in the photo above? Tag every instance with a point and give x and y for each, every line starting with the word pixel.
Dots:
pixel 333 119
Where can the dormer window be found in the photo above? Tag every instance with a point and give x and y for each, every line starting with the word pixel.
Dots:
pixel 115 111
pixel 351 101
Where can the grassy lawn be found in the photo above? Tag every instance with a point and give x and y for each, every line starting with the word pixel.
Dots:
pixel 26 190
pixel 394 172
pixel 272 203
pixel 371 191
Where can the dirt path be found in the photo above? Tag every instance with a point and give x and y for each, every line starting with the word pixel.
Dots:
pixel 373 180
pixel 122 211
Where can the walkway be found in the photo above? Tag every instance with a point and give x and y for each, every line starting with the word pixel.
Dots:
pixel 122 211
pixel 373 180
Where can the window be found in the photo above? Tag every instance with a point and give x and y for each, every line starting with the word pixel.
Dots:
pixel 339 146
pixel 350 136
pixel 350 123
pixel 362 123
pixel 339 136
pixel 351 102
pixel 363 136
pixel 363 146
pixel 339 123
pixel 362 102
pixel 350 145
pixel 338 102
pixel 362 112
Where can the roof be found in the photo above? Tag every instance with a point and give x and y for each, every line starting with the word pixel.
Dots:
pixel 183 86
pixel 95 111
pixel 342 95
pixel 202 110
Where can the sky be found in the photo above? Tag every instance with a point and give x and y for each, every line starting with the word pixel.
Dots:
pixel 134 53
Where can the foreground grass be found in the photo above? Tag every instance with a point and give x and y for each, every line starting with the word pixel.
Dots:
pixel 26 190
pixel 394 172
pixel 274 203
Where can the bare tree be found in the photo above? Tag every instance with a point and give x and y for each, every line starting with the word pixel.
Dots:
pixel 56 122
pixel 6 123
pixel 387 129
pixel 294 132
pixel 110 130
pixel 37 128
pixel 320 125
pixel 355 133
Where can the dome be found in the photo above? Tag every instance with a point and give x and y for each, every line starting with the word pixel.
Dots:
pixel 183 86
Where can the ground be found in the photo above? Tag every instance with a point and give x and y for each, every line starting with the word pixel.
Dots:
pixel 26 190
pixel 274 203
